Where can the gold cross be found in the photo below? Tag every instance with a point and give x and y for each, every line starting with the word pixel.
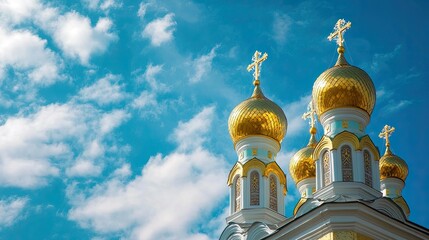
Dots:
pixel 386 132
pixel 340 27
pixel 310 114
pixel 256 65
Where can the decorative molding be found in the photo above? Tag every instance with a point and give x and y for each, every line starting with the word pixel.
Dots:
pixel 255 163
pixel 236 170
pixel 344 137
pixel 324 144
pixel 273 167
pixel 258 230
pixel 366 142
pixel 251 215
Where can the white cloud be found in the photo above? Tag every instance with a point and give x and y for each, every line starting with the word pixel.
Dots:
pixel 112 120
pixel 191 134
pixel 281 27
pixel 78 39
pixel 72 32
pixel 16 11
pixel 105 91
pixel 83 168
pixel 39 146
pixel 144 100
pixel 160 30
pixel 11 210
pixel 202 65
pixel 105 5
pixel 123 171
pixel 26 52
pixel 294 112
pixel 181 185
pixel 91 4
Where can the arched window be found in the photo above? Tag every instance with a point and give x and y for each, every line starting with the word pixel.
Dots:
pixel 273 193
pixel 326 162
pixel 237 187
pixel 346 163
pixel 254 188
pixel 367 167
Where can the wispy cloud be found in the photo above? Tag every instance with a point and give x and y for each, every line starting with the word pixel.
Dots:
pixel 150 77
pixel 294 113
pixel 202 65
pixel 160 30
pixel 281 26
pixel 390 100
pixel 394 106
pixel 147 102
pixel 104 5
pixel 11 210
pixel 380 60
pixel 142 207
pixel 410 74
pixel 104 91
pixel 142 9
pixel 383 94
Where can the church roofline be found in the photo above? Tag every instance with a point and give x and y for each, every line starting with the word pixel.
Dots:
pixel 363 217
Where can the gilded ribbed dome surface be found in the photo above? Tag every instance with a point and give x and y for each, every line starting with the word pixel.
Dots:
pixel 302 165
pixel 392 166
pixel 343 86
pixel 257 116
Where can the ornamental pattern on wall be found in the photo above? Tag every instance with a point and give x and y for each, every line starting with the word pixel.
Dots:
pixel 326 169
pixel 273 193
pixel 368 168
pixel 346 163
pixel 254 188
pixel 237 194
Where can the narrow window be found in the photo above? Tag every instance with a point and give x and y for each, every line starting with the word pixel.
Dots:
pixel 273 193
pixel 237 194
pixel 346 163
pixel 368 168
pixel 254 188
pixel 326 168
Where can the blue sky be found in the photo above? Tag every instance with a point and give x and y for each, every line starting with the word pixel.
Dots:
pixel 113 114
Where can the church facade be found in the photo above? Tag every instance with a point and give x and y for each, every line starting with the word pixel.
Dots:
pixel 348 189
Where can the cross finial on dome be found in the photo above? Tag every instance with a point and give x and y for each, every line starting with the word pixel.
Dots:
pixel 340 27
pixel 256 65
pixel 385 133
pixel 310 114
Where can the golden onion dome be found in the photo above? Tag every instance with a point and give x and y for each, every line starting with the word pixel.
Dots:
pixel 302 166
pixel 343 86
pixel 392 166
pixel 257 115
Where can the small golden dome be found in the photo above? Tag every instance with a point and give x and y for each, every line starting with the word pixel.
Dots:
pixel 257 115
pixel 343 86
pixel 302 166
pixel 392 166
